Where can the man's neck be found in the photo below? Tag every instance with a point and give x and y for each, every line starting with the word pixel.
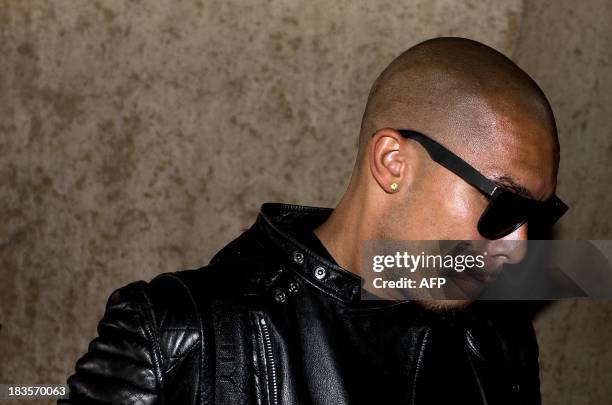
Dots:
pixel 342 233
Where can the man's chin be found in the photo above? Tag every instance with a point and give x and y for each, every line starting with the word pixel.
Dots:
pixel 444 305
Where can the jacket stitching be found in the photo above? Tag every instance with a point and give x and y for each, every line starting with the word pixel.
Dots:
pixel 203 348
pixel 187 328
pixel 163 319
pixel 121 381
pixel 175 360
pixel 122 357
pixel 156 352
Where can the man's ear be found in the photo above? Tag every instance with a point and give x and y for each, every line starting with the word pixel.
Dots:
pixel 389 163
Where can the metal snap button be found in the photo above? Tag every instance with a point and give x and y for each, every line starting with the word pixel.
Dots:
pixel 298 257
pixel 320 272
pixel 280 296
pixel 293 287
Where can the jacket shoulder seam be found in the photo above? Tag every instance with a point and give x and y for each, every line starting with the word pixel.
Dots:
pixel 152 331
pixel 204 395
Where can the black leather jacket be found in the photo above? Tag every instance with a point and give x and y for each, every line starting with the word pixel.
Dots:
pixel 269 321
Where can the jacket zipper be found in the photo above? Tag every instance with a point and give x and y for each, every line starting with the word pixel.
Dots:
pixel 270 363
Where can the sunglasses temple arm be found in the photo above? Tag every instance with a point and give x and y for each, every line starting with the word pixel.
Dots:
pixel 454 163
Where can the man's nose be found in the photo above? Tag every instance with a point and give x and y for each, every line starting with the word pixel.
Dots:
pixel 512 248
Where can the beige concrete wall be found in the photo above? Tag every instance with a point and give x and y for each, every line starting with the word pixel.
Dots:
pixel 138 137
pixel 567 47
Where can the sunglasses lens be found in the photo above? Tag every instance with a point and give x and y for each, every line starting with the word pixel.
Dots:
pixel 545 216
pixel 506 212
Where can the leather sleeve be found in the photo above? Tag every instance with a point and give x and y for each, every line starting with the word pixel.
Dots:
pixel 123 363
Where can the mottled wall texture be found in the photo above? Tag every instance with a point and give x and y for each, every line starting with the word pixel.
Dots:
pixel 138 137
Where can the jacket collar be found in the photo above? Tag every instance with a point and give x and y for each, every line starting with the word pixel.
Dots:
pixel 277 222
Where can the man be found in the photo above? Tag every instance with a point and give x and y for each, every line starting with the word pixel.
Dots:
pixel 277 316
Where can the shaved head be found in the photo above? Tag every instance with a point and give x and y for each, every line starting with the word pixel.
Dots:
pixel 478 104
pixel 457 91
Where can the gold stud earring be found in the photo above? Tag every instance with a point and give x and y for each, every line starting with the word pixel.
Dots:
pixel 394 187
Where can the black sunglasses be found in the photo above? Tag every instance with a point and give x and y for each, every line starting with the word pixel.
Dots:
pixel 507 211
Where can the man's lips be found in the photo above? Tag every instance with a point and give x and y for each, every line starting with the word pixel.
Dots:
pixel 485 277
pixel 493 264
